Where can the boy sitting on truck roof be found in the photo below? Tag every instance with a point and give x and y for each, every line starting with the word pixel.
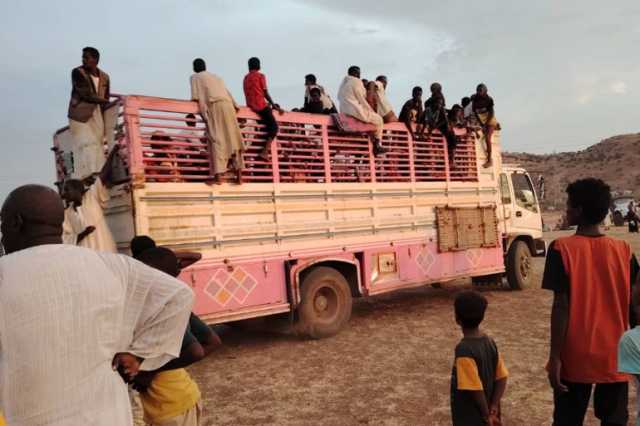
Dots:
pixel 479 377
pixel 169 395
pixel 260 102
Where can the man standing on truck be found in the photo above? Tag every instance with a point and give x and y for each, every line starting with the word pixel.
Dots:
pixel 352 96
pixel 90 313
pixel 218 110
pixel 260 102
pixel 90 88
pixel 591 276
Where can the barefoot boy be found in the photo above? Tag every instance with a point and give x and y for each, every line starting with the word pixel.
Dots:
pixel 479 377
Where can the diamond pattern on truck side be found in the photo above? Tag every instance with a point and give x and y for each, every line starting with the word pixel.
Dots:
pixel 425 260
pixel 224 286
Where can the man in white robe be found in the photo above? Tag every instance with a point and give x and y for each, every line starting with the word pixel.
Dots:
pixel 385 109
pixel 70 316
pixel 353 102
pixel 218 109
pixel 85 224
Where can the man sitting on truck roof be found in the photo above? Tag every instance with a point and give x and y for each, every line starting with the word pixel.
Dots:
pixel 310 83
pixel 412 110
pixel 482 106
pixel 218 110
pixel 435 117
pixel 353 102
pixel 315 105
pixel 260 102
pixel 385 109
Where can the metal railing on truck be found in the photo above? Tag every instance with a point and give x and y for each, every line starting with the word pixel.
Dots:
pixel 159 145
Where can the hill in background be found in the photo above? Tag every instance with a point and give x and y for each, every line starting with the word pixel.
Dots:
pixel 615 160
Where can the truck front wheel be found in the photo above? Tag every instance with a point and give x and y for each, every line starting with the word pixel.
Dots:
pixel 326 303
pixel 518 265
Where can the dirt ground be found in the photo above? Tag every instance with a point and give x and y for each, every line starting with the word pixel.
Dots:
pixel 390 366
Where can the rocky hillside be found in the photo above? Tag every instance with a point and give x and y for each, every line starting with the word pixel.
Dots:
pixel 615 160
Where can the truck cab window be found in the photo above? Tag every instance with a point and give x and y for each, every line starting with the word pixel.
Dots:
pixel 523 190
pixel 505 192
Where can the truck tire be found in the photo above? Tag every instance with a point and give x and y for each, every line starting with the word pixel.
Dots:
pixel 518 265
pixel 326 303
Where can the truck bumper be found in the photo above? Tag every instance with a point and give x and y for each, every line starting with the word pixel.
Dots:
pixel 539 248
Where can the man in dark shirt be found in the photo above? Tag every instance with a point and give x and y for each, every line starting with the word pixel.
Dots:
pixel 591 277
pixel 412 110
pixel 482 107
pixel 315 105
pixel 260 102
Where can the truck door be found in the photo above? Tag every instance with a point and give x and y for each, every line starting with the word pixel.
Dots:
pixel 505 198
pixel 526 214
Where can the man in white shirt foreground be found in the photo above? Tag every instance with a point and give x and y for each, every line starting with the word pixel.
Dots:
pixel 70 316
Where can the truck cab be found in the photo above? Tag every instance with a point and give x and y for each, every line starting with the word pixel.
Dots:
pixel 521 224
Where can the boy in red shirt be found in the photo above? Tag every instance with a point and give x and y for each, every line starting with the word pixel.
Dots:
pixel 590 275
pixel 259 100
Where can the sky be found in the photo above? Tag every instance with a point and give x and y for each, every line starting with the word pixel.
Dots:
pixel 563 74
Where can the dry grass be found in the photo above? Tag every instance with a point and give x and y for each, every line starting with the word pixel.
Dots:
pixel 390 366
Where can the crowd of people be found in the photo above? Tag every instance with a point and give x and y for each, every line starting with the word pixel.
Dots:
pixel 117 346
pixel 134 326
pixel 362 103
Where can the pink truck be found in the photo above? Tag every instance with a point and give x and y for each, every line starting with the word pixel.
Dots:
pixel 324 221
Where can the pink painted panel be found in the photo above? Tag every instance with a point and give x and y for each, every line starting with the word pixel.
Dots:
pixel 220 289
pixel 423 262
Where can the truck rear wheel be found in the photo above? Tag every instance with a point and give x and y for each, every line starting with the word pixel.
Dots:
pixel 326 303
pixel 518 265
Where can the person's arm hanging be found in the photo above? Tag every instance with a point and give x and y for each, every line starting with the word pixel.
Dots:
pixel 84 234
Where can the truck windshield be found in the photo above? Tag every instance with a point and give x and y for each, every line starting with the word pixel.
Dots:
pixel 523 190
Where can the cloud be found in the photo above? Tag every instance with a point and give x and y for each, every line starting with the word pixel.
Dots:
pixel 619 87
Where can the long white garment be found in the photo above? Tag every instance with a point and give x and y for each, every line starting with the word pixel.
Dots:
pixel 91 213
pixel 384 106
pixel 65 312
pixel 353 101
pixel 72 226
pixel 88 147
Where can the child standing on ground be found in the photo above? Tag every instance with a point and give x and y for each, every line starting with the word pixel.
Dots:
pixel 170 397
pixel 479 377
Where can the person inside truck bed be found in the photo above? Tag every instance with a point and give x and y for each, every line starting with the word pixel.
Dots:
pixel 169 395
pixel 482 107
pixel 86 200
pixel 260 102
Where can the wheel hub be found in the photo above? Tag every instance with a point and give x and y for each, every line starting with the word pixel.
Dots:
pixel 321 303
pixel 525 266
